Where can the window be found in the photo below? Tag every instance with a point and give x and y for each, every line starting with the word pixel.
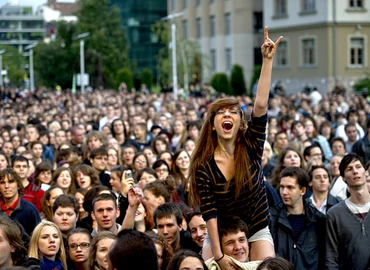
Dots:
pixel 213 60
pixel 173 5
pixel 308 52
pixel 184 3
pixel 282 54
pixel 280 7
pixel 228 59
pixel 227 24
pixel 185 29
pixel 212 26
pixel 257 22
pixel 308 5
pixel 356 4
pixel 357 51
pixel 199 27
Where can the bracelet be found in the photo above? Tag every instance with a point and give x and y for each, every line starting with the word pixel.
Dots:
pixel 223 255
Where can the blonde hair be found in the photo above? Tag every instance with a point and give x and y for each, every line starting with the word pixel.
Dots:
pixel 33 250
pixel 268 147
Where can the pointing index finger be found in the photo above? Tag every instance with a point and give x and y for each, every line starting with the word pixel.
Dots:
pixel 266 33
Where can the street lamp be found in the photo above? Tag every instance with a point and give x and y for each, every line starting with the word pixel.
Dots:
pixel 82 58
pixel 32 78
pixel 1 67
pixel 173 45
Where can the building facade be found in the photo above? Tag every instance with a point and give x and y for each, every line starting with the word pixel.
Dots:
pixel 228 31
pixel 137 19
pixel 325 42
pixel 19 27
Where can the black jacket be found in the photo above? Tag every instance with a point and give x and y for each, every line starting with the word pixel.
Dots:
pixel 27 215
pixel 307 249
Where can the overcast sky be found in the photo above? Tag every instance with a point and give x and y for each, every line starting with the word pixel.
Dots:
pixel 34 3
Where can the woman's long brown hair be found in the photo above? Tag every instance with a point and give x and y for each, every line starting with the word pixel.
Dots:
pixel 207 144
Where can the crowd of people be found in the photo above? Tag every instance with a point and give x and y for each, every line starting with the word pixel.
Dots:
pixel 124 180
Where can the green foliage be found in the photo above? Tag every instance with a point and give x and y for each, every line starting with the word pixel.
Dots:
pixel 363 84
pixel 256 75
pixel 237 80
pixel 156 89
pixel 56 62
pixel 107 42
pixel 14 63
pixel 147 77
pixel 55 65
pixel 125 75
pixel 221 84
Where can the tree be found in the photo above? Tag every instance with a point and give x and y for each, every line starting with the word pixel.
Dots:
pixel 256 75
pixel 56 62
pixel 363 85
pixel 106 47
pixel 147 77
pixel 221 84
pixel 125 75
pixel 13 63
pixel 238 81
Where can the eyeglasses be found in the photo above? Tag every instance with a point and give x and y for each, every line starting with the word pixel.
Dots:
pixel 140 161
pixel 83 245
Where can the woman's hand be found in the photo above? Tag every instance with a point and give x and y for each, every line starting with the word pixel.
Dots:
pixel 268 48
pixel 134 196
pixel 227 264
pixel 126 183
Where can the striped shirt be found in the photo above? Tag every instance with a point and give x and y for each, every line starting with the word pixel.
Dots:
pixel 251 205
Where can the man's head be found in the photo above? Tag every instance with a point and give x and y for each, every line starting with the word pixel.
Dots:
pixel 78 134
pixel 65 213
pixel 99 158
pixel 351 132
pixel 197 227
pixel 319 179
pixel 20 165
pixel 352 116
pixel 118 128
pixel 132 250
pixel 60 137
pixel 168 219
pixel 191 115
pixel 193 130
pixel 140 130
pixel 353 171
pixel 36 148
pixel 293 185
pixel 96 139
pixel 313 152
pixel 233 234
pixel 105 212
pixel 298 129
pixel 280 141
pixel 10 184
pixel 32 134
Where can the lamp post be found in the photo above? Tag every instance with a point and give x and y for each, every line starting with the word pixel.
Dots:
pixel 82 58
pixel 1 67
pixel 173 45
pixel 32 79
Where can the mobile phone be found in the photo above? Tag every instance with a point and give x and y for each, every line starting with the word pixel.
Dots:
pixel 128 174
